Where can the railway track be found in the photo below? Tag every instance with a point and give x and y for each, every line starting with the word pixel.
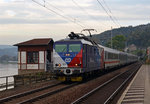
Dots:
pixel 106 92
pixel 33 95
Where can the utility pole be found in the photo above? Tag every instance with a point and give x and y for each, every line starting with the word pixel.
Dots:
pixel 111 37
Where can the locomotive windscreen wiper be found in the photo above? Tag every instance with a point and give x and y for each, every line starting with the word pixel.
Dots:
pixel 64 50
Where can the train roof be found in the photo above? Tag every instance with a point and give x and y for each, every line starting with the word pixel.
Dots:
pixel 83 41
pixel 115 51
pixel 109 49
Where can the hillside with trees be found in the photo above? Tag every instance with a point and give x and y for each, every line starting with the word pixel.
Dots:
pixel 8 53
pixel 138 35
pixel 118 42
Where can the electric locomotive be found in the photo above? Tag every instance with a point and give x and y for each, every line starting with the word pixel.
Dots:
pixel 76 57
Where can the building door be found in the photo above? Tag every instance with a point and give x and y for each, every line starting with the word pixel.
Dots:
pixel 48 61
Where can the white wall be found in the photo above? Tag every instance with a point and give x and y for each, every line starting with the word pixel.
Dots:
pixel 41 56
pixel 23 61
pixel 32 66
pixel 18 56
pixel 18 59
pixel 23 57
pixel 41 60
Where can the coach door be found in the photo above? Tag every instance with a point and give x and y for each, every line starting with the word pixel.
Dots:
pixel 84 56
pixel 48 61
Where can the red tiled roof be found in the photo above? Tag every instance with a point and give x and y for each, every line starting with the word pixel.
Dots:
pixel 40 41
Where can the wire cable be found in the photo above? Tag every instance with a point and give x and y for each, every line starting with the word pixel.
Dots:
pixel 111 13
pixel 75 20
pixel 111 18
pixel 68 19
pixel 86 12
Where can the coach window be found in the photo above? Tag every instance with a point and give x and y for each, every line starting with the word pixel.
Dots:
pixel 94 51
pixel 74 47
pixel 114 56
pixel 32 57
pixel 109 55
pixel 90 50
pixel 61 48
pixel 105 55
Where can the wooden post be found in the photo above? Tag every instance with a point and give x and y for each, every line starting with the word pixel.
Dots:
pixel 22 79
pixel 6 83
pixel 30 78
pixel 14 81
pixel 35 78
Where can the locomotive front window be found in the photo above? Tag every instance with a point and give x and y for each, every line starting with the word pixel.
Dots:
pixel 61 48
pixel 74 47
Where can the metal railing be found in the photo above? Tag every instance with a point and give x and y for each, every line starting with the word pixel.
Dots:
pixel 8 82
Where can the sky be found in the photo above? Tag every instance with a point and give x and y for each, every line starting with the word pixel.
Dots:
pixel 22 20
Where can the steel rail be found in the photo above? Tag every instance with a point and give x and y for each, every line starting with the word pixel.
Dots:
pixel 47 94
pixel 121 86
pixel 82 98
pixel 6 99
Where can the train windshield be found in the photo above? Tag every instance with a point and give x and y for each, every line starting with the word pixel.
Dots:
pixel 61 47
pixel 74 47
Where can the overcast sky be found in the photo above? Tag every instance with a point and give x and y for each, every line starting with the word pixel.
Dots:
pixel 22 20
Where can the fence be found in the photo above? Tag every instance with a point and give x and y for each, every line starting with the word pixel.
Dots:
pixel 24 79
pixel 6 82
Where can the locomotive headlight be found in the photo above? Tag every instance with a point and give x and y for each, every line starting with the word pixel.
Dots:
pixel 77 64
pixel 67 54
pixel 59 65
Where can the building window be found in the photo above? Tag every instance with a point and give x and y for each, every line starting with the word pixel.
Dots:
pixel 32 57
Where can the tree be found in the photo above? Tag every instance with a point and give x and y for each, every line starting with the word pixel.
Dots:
pixel 118 42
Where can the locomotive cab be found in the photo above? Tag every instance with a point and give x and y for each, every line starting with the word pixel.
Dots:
pixel 67 58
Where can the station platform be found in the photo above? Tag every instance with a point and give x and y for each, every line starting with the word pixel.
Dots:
pixel 138 91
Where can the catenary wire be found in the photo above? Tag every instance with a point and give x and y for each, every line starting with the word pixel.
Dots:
pixel 111 12
pixel 111 18
pixel 67 18
pixel 75 20
pixel 86 12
